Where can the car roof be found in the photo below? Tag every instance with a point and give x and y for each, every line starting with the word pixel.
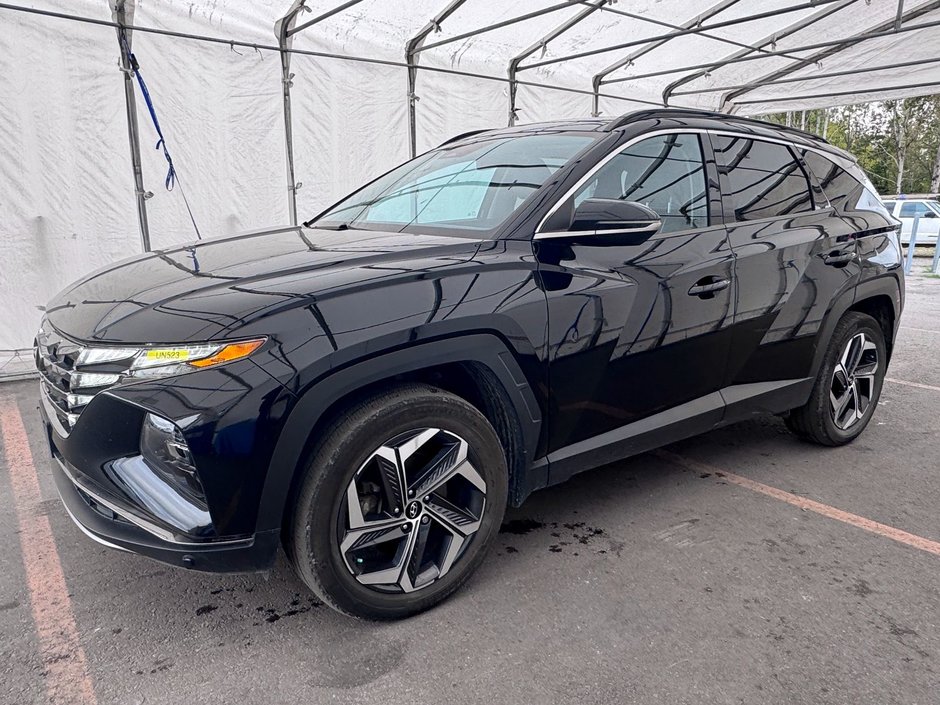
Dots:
pixel 668 118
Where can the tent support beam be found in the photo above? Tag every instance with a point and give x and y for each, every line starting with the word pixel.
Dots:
pixel 758 50
pixel 814 77
pixel 681 33
pixel 541 44
pixel 499 25
pixel 671 25
pixel 319 18
pixel 411 59
pixel 890 27
pixel 124 19
pixel 598 79
pixel 282 28
pixel 736 60
pixel 836 94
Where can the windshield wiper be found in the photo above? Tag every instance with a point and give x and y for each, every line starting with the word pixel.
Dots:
pixel 338 226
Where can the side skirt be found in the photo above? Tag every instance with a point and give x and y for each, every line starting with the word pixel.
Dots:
pixel 726 406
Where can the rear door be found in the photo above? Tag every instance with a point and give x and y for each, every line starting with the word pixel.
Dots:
pixel 793 258
pixel 633 332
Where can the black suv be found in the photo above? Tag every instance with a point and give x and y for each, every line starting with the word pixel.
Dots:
pixel 372 389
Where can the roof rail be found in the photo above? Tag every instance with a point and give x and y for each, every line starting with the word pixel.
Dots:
pixel 462 135
pixel 636 115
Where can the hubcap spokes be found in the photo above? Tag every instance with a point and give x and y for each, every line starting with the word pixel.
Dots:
pixel 853 381
pixel 411 510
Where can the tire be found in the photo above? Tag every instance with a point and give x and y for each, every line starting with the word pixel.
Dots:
pixel 345 538
pixel 819 420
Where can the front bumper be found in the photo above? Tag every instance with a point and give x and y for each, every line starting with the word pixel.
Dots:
pixel 105 521
pixel 230 443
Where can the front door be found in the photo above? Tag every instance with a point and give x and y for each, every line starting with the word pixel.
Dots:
pixel 638 329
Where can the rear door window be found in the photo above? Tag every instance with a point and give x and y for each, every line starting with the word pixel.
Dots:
pixel 764 178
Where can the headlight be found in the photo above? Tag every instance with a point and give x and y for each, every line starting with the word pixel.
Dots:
pixel 168 360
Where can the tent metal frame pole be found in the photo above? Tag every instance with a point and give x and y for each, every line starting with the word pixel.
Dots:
pixel 319 18
pixel 598 79
pixel 589 9
pixel 124 21
pixel 499 25
pixel 671 25
pixel 411 59
pixel 856 91
pixel 809 47
pixel 769 40
pixel 889 27
pixel 353 58
pixel 681 33
pixel 815 76
pixel 284 39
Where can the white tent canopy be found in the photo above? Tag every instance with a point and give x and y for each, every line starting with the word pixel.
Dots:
pixel 67 190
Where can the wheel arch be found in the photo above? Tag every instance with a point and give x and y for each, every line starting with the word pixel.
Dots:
pixel 478 367
pixel 879 297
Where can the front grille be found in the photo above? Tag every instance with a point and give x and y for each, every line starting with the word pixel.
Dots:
pixel 66 385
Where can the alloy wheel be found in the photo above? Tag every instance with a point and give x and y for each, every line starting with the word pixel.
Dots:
pixel 853 381
pixel 411 511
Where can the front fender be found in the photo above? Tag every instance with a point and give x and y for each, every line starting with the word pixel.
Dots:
pixel 484 348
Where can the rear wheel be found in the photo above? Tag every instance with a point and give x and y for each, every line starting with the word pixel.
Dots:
pixel 399 503
pixel 848 385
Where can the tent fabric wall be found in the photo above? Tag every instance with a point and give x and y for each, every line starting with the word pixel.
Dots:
pixel 67 203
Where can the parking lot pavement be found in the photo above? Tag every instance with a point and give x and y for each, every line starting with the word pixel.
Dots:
pixel 663 578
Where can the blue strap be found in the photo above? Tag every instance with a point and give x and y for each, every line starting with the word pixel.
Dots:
pixel 135 67
pixel 171 178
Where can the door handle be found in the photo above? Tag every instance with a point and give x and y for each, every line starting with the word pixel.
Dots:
pixel 706 288
pixel 839 258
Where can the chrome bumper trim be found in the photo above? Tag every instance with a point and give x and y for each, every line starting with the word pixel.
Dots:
pixel 93 537
pixel 147 526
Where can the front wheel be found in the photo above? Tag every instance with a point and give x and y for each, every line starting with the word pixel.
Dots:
pixel 400 501
pixel 848 385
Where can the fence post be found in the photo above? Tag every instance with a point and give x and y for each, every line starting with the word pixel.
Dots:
pixel 935 267
pixel 912 244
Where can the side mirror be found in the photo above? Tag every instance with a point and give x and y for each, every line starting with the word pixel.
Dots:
pixel 610 216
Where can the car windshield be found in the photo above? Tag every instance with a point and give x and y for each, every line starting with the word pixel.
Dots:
pixel 467 188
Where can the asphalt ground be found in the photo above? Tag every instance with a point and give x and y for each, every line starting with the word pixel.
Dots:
pixel 742 566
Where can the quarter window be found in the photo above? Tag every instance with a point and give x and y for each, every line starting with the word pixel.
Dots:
pixel 666 174
pixel 841 188
pixel 764 178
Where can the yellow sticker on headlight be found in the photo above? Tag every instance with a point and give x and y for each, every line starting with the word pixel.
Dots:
pixel 168 355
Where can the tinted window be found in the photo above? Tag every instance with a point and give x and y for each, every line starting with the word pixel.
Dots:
pixel 473 186
pixel 666 174
pixel 889 205
pixel 765 179
pixel 841 188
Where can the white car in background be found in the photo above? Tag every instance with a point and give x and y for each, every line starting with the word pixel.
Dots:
pixel 906 209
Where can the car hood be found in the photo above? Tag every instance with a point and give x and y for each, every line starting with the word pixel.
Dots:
pixel 216 288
